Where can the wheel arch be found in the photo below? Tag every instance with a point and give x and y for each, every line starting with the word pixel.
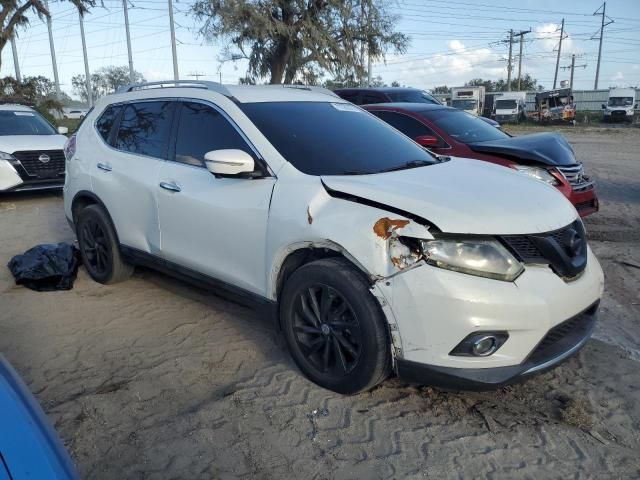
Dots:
pixel 83 199
pixel 295 256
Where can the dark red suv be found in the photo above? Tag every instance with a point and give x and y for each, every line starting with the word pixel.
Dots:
pixel 547 157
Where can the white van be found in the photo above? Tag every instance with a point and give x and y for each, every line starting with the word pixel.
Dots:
pixel 510 107
pixel 621 105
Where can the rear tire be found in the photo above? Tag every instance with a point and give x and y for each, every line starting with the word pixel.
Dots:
pixel 334 327
pixel 99 248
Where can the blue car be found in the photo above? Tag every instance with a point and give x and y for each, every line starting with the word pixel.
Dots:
pixel 29 446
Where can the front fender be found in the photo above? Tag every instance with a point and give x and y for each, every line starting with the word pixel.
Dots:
pixel 304 215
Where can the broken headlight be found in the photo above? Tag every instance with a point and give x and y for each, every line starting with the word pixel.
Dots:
pixel 538 173
pixel 484 258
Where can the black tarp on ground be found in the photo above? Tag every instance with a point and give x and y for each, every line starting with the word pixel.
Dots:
pixel 47 267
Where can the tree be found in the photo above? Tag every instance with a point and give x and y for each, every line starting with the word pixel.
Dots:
pixel 280 38
pixel 14 14
pixel 441 89
pixel 38 92
pixel 104 81
pixel 395 83
pixel 527 83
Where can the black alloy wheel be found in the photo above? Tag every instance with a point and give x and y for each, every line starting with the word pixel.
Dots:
pixel 327 330
pixel 96 248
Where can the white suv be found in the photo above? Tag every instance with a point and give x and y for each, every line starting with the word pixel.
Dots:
pixel 377 256
pixel 31 150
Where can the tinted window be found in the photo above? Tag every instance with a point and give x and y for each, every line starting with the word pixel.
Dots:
pixel 105 122
pixel 349 96
pixel 463 126
pixel 321 138
pixel 202 129
pixel 145 128
pixel 412 96
pixel 369 98
pixel 506 104
pixel 411 127
pixel 24 122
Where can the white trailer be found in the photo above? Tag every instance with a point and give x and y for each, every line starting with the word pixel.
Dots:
pixel 510 107
pixel 621 105
pixel 469 99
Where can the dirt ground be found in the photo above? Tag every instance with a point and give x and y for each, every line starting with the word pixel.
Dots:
pixel 153 378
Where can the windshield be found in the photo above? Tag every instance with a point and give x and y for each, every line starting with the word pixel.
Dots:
pixel 16 122
pixel 506 104
pixel 464 104
pixel 620 101
pixel 464 127
pixel 321 138
pixel 412 96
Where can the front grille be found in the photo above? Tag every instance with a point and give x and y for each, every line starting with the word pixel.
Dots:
pixel 564 336
pixel 564 250
pixel 34 167
pixel 576 177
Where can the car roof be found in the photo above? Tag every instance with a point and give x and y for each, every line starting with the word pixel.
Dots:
pixel 380 89
pixel 16 107
pixel 411 107
pixel 238 93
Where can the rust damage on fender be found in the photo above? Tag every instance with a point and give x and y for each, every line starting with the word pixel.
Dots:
pixel 385 227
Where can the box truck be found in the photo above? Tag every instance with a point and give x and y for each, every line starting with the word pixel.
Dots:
pixel 620 106
pixel 469 99
pixel 510 107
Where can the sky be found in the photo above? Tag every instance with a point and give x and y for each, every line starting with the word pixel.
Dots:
pixel 451 42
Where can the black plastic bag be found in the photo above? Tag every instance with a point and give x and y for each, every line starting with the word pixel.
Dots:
pixel 46 267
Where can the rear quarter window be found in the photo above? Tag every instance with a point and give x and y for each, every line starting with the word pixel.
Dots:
pixel 105 122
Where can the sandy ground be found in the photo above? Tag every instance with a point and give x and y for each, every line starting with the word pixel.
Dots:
pixel 155 379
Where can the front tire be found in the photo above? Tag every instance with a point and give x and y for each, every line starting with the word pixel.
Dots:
pixel 334 327
pixel 99 247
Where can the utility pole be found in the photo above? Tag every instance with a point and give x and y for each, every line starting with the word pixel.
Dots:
pixel 197 75
pixel 362 41
pixel 16 65
pixel 369 43
pixel 555 77
pixel 602 25
pixel 509 65
pixel 87 76
pixel 521 35
pixel 53 52
pixel 572 67
pixel 173 43
pixel 126 28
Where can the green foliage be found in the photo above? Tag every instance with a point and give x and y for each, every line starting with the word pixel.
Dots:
pixel 297 40
pixel 38 92
pixel 104 81
pixel 441 89
pixel 527 84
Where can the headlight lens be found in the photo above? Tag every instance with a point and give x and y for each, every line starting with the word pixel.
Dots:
pixel 538 173
pixel 6 156
pixel 484 258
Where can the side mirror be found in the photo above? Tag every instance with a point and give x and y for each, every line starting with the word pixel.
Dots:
pixel 635 107
pixel 427 140
pixel 63 130
pixel 604 106
pixel 229 162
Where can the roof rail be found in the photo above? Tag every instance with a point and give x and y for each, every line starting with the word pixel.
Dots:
pixel 207 85
pixel 311 88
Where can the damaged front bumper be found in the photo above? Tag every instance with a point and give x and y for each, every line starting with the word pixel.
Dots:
pixel 560 343
pixel 431 310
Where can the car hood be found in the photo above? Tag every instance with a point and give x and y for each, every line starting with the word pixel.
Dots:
pixel 548 148
pixel 17 143
pixel 465 196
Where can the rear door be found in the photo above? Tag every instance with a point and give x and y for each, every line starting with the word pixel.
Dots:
pixel 215 226
pixel 410 126
pixel 126 178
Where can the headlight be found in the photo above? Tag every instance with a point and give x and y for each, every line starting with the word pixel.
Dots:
pixel 7 156
pixel 484 258
pixel 538 173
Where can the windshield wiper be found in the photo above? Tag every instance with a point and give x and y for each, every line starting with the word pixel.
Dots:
pixel 407 165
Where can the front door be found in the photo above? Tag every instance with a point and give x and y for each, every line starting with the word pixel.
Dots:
pixel 215 226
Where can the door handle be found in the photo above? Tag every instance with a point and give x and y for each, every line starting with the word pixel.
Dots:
pixel 104 166
pixel 171 186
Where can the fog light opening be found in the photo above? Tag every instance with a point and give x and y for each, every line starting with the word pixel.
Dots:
pixel 484 346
